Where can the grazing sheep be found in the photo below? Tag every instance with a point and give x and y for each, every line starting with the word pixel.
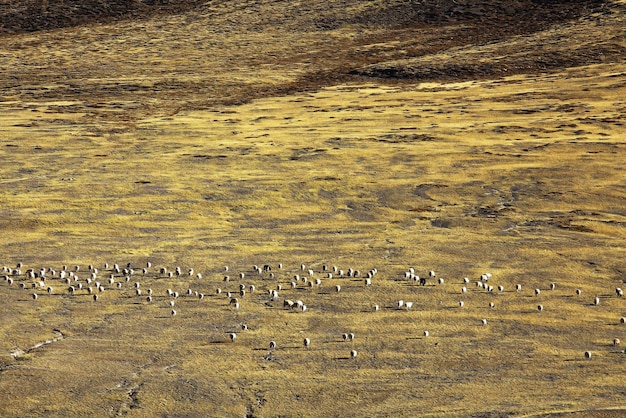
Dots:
pixel 273 295
pixel 288 303
pixel 337 288
pixel 244 327
pixel 218 291
pixel 351 336
pixel 178 271
pixel 540 308
pixel 344 337
pixel 596 301
pixel 492 305
pixel 616 341
pixel 619 292
pixel 149 299
pixel 368 282
pixel 280 266
pixel 303 308
pixel 622 320
pixel 272 345
pixel 200 296
pixel 464 289
pixel 252 288
pixel 432 274
pixel 466 280
pixel 49 290
pixel 311 272
pixel 172 303
pixel 500 288
pixel 163 270
pixel 119 285
pixel 376 308
pixel 302 267
pixel 95 298
pixel 138 292
pixel 408 305
pixel 198 276
pixel 587 354
pixel 353 354
pixel 441 281
pixel 190 272
pixel 578 292
pixel 35 296
pixel 422 280
pixel 426 334
pixel 400 304
pixel 484 322
pixel 552 286
pixel 518 287
pixel 307 342
pixel 173 313
pixel 537 292
pixel 71 289
pixel 461 304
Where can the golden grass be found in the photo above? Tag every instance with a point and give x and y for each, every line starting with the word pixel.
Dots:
pixel 519 176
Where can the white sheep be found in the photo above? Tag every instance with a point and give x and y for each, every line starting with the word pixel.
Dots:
pixel 307 342
pixel 353 354
pixel 596 301
pixel 518 287
pixel 537 292
pixel 337 288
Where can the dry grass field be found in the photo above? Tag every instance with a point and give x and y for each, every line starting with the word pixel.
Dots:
pixel 455 136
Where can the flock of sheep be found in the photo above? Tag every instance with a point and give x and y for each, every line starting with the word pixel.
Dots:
pixel 267 283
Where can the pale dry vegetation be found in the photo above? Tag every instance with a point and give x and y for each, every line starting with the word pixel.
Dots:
pixel 360 135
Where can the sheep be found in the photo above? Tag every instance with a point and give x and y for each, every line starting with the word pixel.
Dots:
pixel 441 280
pixel 368 282
pixel 272 345
pixel 303 308
pixel 49 290
pixel 432 274
pixel 461 304
pixel 163 270
pixel 199 276
pixel 408 305
pixel 537 292
pixel 71 289
pixel 200 296
pixel 280 266
pixel 426 334
pixel 588 354
pixel 307 342
pixel 95 298
pixel 273 295
pixel 466 280
pixel 578 291
pixel 149 299
pixel 540 308
pixel 190 272
pixel 311 272
pixel 376 308
pixel 491 305
pixel 351 336
pixel 35 296
pixel 173 312
pixel 619 292
pixel 218 291
pixel 518 287
pixel 172 303
pixel 252 288
pixel 119 285
pixel 484 322
pixel 302 267
pixel 244 327
pixel 337 288
pixel 464 289
pixel 138 292
pixel 596 301
pixel 552 286
pixel 616 341
pixel 9 281
pixel 288 303
pixel 178 271
pixel 622 320
pixel 400 303
pixel 344 337
pixel 353 354
pixel 500 288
